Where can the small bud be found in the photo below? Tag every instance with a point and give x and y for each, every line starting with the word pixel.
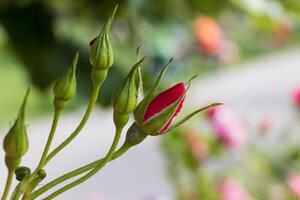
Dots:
pixel 15 143
pixel 41 174
pixel 101 55
pixel 125 98
pixel 65 87
pixel 22 172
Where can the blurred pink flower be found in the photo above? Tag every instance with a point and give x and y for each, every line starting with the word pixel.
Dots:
pixel 230 190
pixel 294 184
pixel 228 128
pixel 265 126
pixel 296 97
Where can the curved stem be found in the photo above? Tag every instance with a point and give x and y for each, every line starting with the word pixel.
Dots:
pixel 50 138
pixel 9 179
pixel 92 172
pixel 76 172
pixel 87 114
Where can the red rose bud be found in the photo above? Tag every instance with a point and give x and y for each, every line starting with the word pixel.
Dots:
pixel 65 87
pixel 155 113
pixel 15 143
pixel 101 55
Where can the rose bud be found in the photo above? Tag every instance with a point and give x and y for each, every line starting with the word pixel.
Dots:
pixel 101 54
pixel 15 143
pixel 125 99
pixel 65 87
pixel 155 113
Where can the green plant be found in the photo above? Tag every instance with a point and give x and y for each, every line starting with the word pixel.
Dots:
pixel 153 116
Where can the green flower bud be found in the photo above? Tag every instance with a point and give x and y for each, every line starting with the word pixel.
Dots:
pixel 125 98
pixel 15 143
pixel 65 87
pixel 22 172
pixel 101 55
pixel 41 174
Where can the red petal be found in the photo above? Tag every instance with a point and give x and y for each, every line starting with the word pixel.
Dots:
pixel 165 99
pixel 174 115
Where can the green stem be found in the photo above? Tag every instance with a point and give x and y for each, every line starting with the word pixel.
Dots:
pixel 86 116
pixel 50 138
pixel 76 172
pixel 92 172
pixel 9 179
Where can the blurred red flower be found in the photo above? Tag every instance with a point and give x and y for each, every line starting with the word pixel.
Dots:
pixel 208 35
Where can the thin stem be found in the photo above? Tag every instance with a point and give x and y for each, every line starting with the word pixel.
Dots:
pixel 9 179
pixel 86 116
pixel 76 172
pixel 92 172
pixel 50 138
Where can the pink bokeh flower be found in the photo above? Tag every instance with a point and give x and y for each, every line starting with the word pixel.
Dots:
pixel 227 127
pixel 296 97
pixel 231 190
pixel 294 184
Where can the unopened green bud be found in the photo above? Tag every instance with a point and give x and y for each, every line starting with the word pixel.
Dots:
pixel 65 87
pixel 125 98
pixel 22 172
pixel 120 120
pixel 41 174
pixel 101 55
pixel 15 143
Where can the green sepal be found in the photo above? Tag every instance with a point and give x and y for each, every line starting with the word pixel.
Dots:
pixel 65 87
pixel 101 55
pixel 134 136
pixel 140 94
pixel 191 115
pixel 15 143
pixel 125 98
pixel 141 108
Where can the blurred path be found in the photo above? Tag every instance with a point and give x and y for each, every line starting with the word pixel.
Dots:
pixel 257 89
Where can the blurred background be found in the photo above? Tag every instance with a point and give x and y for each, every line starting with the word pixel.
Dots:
pixel 246 54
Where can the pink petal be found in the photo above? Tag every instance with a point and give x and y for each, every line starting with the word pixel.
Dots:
pixel 165 99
